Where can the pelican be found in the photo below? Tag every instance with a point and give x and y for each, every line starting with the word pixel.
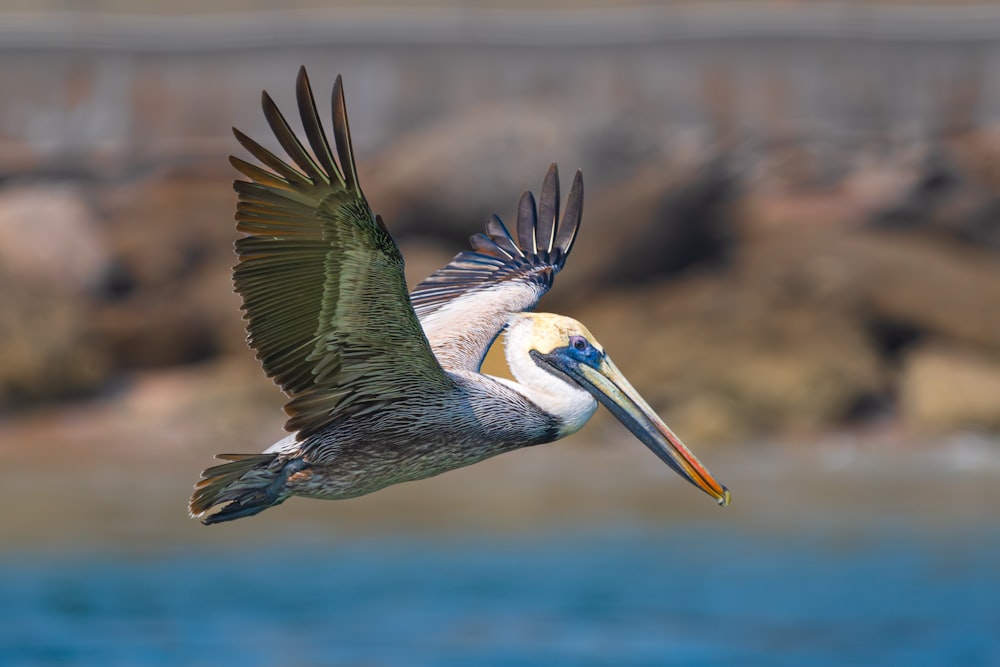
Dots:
pixel 384 386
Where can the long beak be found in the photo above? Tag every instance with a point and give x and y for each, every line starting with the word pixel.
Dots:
pixel 610 387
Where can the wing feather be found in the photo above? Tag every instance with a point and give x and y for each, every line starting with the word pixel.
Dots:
pixel 289 142
pixel 321 278
pixel 527 223
pixel 286 174
pixel 565 234
pixel 464 305
pixel 500 238
pixel 548 212
pixel 342 135
pixel 313 127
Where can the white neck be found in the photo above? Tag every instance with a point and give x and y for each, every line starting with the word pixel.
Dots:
pixel 569 403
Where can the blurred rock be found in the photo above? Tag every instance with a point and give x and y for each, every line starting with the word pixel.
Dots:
pixel 171 300
pixel 954 194
pixel 52 258
pixel 903 279
pixel 946 388
pixel 665 219
pixel 688 225
pixel 708 417
pixel 947 290
pixel 805 329
pixel 740 305
pixel 48 350
pixel 49 237
pixel 144 283
pixel 725 360
pixel 432 182
pixel 936 182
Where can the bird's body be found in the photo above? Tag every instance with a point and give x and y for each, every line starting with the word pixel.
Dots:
pixel 413 439
pixel 385 387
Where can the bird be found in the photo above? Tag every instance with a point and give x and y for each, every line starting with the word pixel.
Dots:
pixel 384 385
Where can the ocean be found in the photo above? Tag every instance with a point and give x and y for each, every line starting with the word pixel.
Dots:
pixel 641 594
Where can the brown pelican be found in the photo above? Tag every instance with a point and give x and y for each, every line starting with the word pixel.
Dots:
pixel 384 386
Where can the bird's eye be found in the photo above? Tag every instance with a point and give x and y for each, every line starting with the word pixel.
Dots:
pixel 579 343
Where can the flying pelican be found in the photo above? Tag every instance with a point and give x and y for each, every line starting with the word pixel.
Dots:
pixel 384 386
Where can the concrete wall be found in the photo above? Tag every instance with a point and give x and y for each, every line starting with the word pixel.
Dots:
pixel 108 93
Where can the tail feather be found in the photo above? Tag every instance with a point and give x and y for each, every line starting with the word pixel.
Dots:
pixel 246 485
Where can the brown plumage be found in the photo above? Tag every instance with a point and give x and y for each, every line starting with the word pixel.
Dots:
pixel 384 386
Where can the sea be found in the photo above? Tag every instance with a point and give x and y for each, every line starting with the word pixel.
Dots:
pixel 640 594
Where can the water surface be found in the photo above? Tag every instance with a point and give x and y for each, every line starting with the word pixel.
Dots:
pixel 640 595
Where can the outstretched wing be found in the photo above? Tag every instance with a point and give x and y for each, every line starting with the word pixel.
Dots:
pixel 464 305
pixel 321 278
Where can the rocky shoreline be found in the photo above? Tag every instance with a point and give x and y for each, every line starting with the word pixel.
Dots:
pixel 742 307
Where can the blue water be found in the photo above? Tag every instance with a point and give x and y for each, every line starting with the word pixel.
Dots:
pixel 651 596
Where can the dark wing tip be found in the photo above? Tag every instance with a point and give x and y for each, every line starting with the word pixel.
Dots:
pixel 542 234
pixel 289 141
pixel 312 124
pixel 569 225
pixel 499 235
pixel 548 210
pixel 527 224
pixel 538 253
pixel 319 165
pixel 267 158
pixel 342 135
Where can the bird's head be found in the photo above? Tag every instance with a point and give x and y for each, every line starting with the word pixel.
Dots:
pixel 565 350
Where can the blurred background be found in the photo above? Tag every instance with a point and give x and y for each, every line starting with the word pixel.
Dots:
pixel 791 246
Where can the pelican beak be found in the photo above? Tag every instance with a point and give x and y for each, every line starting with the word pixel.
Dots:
pixel 607 384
